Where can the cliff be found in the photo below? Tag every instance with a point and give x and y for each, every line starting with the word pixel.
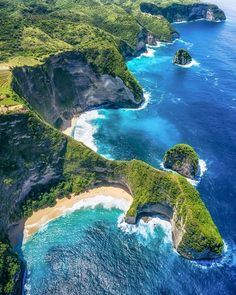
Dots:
pixel 68 60
pixel 185 12
pixel 182 57
pixel 156 192
pixel 70 85
pixel 183 159
pixel 40 164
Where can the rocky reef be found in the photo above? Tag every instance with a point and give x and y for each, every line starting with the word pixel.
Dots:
pixel 182 58
pixel 185 12
pixel 69 85
pixel 183 159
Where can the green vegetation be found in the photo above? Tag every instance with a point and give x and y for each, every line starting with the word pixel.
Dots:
pixel 149 186
pixel 35 29
pixel 38 163
pixel 79 169
pixel 9 268
pixel 83 168
pixel 182 57
pixel 158 25
pixel 201 234
pixel 183 159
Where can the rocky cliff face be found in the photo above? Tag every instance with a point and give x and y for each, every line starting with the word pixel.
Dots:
pixel 182 57
pixel 178 225
pixel 67 85
pixel 30 156
pixel 183 159
pixel 148 38
pixel 179 12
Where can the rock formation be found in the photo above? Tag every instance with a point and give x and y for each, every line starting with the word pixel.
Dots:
pixel 182 58
pixel 67 85
pixel 185 12
pixel 183 159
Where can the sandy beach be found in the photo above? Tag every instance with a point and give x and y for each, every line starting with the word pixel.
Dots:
pixel 68 131
pixel 26 228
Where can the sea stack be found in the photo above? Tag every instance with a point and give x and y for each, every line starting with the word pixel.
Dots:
pixel 182 58
pixel 183 159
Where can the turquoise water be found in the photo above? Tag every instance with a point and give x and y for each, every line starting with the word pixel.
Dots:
pixel 90 251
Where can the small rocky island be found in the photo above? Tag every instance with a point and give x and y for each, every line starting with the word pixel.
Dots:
pixel 182 58
pixel 183 159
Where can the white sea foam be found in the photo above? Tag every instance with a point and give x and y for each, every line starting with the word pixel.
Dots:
pixel 202 167
pixel 85 130
pixel 147 100
pixel 145 230
pixel 180 22
pixel 107 202
pixel 194 20
pixel 228 258
pixel 147 97
pixel 193 63
pixel 159 44
pixel 202 170
pixel 150 52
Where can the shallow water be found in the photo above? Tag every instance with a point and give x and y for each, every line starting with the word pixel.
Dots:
pixel 91 251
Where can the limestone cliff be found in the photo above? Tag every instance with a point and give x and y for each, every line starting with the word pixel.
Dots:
pixel 146 37
pixel 183 159
pixel 30 156
pixel 67 85
pixel 39 164
pixel 182 12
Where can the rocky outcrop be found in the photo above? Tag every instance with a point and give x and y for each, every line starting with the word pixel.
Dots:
pixel 181 12
pixel 67 85
pixel 150 209
pixel 146 37
pixel 178 226
pixel 182 58
pixel 183 159
pixel 30 156
pixel 19 279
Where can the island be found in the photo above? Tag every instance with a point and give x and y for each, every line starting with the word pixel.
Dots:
pixel 58 61
pixel 183 159
pixel 182 58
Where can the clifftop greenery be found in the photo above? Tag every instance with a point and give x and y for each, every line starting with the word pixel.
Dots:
pixel 70 167
pixel 183 159
pixel 182 57
pixel 33 30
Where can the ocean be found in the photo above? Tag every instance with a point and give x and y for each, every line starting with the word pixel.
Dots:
pixel 91 250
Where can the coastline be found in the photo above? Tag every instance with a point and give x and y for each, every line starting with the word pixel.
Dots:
pixel 69 130
pixel 26 228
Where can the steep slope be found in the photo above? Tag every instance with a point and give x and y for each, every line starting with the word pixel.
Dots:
pixel 185 12
pixel 67 84
pixel 40 164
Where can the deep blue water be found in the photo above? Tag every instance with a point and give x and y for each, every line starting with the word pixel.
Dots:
pixel 86 252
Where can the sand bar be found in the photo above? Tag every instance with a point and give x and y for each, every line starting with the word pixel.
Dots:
pixel 40 218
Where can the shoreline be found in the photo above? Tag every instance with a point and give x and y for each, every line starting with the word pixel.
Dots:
pixel 20 232
pixel 69 130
